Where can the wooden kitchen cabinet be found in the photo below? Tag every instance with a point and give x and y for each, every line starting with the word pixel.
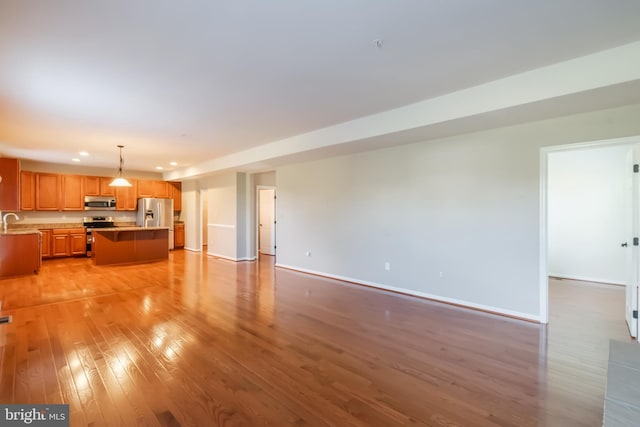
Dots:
pixel 59 243
pixel 146 188
pixel 9 184
pixel 161 189
pixel 77 241
pixel 91 185
pixel 97 186
pixel 178 235
pixel 27 191
pixel 176 195
pixel 153 188
pixel 68 242
pixel 105 189
pixel 47 192
pixel 46 243
pixel 71 191
pixel 19 254
pixel 62 192
pixel 127 197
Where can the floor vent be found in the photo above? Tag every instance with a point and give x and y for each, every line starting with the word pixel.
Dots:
pixel 5 319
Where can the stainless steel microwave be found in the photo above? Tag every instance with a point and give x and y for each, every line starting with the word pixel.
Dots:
pixel 95 203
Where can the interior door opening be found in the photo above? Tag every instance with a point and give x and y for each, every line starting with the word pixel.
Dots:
pixel 627 226
pixel 266 219
pixel 204 220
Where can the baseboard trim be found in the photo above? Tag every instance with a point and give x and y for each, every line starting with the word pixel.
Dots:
pixel 192 249
pixel 451 301
pixel 587 279
pixel 228 258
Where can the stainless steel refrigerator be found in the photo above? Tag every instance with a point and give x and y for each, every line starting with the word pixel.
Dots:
pixel 156 213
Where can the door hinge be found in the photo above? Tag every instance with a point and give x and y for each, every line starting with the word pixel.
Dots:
pixel 636 168
pixel 635 314
pixel 635 241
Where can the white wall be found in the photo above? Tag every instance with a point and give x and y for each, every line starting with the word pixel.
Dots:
pixel 191 214
pixel 227 209
pixel 466 206
pixel 221 200
pixel 587 206
pixel 205 216
pixel 243 213
pixel 264 178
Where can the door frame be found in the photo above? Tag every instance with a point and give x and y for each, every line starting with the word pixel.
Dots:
pixel 201 220
pixel 544 237
pixel 257 218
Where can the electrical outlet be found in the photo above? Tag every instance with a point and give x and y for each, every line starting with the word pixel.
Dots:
pixel 441 274
pixel 387 266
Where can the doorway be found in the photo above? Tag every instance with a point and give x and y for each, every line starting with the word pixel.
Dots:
pixel 611 240
pixel 266 220
pixel 204 218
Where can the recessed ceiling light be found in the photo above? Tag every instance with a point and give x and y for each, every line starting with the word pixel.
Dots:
pixel 75 160
pixel 159 168
pixel 83 153
pixel 174 163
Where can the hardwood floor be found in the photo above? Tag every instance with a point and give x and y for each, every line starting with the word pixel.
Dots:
pixel 197 341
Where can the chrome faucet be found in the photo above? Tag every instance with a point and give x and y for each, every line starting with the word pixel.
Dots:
pixel 4 219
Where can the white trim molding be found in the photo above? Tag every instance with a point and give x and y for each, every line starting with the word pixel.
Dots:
pixel 410 292
pixel 228 258
pixel 587 279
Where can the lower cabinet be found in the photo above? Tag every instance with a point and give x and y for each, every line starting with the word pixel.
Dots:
pixel 62 242
pixel 46 243
pixel 59 242
pixel 178 236
pixel 19 254
pixel 78 243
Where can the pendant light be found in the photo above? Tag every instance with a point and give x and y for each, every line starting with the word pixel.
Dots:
pixel 120 181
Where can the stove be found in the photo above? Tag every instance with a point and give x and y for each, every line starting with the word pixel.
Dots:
pixel 91 222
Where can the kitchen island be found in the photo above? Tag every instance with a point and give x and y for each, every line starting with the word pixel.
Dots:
pixel 130 245
pixel 20 252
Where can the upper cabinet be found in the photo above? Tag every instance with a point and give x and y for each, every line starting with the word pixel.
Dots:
pixel 153 188
pixel 161 189
pixel 47 192
pixel 145 188
pixel 27 191
pixel 105 189
pixel 126 197
pixel 9 184
pixel 60 192
pixel 71 191
pixel 176 195
pixel 97 186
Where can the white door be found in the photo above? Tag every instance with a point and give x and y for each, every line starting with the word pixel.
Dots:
pixel 266 221
pixel 633 253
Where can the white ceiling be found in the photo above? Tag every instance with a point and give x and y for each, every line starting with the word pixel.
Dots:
pixel 193 80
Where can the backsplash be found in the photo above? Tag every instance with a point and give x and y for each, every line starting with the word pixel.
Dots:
pixel 67 217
